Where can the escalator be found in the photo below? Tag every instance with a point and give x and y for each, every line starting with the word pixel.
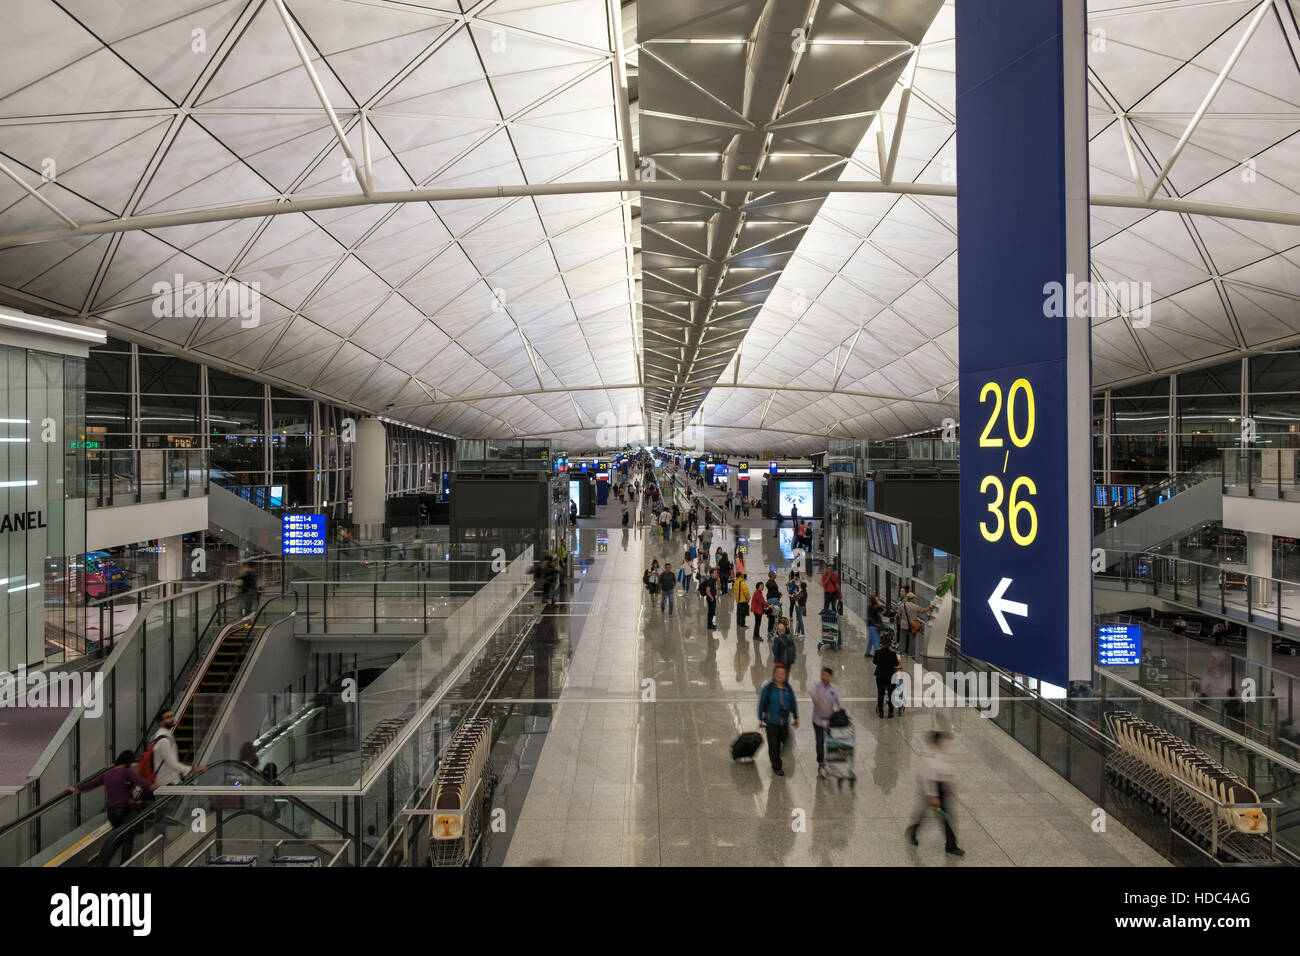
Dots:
pixel 215 668
pixel 204 702
pixel 240 830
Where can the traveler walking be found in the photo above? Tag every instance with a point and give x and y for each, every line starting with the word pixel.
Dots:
pixel 165 762
pixel 831 588
pixel 713 587
pixel 777 709
pixel 875 610
pixel 886 662
pixel 826 701
pixel 801 606
pixel 667 584
pixel 741 592
pixel 936 784
pixel 758 604
pixel 783 651
pixel 909 620
pixel 119 782
pixel 248 589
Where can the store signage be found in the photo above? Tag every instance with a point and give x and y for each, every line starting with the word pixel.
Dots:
pixel 22 521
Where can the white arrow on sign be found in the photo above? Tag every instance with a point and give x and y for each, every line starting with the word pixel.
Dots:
pixel 1001 607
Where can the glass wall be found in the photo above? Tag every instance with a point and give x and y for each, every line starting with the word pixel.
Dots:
pixel 1201 412
pixel 42 513
pixel 267 444
pixel 1139 443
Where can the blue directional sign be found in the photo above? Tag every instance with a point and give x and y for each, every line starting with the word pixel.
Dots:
pixel 1025 376
pixel 1119 645
pixel 302 534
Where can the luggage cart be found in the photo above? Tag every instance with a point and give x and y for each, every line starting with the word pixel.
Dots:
pixel 831 636
pixel 841 744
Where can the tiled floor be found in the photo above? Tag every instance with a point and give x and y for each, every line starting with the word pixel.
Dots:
pixel 635 769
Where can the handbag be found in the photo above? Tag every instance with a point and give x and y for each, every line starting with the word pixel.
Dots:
pixel 839 718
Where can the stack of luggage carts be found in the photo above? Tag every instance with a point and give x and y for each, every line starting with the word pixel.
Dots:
pixel 458 799
pixel 1147 760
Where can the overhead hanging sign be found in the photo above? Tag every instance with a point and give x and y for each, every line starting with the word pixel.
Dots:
pixel 1025 366
pixel 302 534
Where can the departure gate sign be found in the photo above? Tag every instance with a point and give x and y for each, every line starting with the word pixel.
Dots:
pixel 302 534
pixel 1025 376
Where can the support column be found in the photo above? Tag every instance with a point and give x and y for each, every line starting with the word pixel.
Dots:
pixel 1259 564
pixel 171 558
pixel 369 456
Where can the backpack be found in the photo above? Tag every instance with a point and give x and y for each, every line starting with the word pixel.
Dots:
pixel 144 766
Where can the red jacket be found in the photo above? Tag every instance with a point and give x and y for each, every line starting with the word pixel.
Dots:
pixel 757 602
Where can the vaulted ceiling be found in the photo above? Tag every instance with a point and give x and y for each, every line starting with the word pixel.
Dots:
pixel 773 319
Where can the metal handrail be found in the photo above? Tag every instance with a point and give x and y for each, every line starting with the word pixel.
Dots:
pixel 256 618
pixel 1236 738
pixel 48 805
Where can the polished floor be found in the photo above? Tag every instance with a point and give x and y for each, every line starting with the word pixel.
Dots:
pixel 634 768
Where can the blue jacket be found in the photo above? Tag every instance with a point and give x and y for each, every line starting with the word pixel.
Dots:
pixel 771 701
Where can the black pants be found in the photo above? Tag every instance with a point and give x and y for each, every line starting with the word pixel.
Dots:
pixel 776 734
pixel 742 612
pixel 926 810
pixel 820 731
pixel 713 609
pixel 883 687
pixel 116 817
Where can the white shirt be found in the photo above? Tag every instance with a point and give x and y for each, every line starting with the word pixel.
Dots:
pixel 168 768
pixel 937 769
pixel 797 564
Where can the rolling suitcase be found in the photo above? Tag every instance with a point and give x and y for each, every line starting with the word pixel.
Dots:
pixel 746 745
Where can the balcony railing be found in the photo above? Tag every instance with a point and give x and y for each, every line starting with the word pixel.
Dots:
pixel 131 476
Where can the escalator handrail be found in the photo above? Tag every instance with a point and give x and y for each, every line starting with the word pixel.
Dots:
pixel 144 809
pixel 183 688
pixel 57 800
pixel 253 624
pixel 46 806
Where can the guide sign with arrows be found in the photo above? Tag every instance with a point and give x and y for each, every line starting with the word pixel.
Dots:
pixel 1024 371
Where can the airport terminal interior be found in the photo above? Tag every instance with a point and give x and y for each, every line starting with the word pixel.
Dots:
pixel 380 490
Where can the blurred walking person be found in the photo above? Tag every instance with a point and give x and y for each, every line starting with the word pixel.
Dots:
pixel 936 784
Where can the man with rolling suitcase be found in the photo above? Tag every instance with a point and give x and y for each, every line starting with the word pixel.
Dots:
pixel 777 709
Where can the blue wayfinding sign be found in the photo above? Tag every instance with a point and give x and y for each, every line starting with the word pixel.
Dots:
pixel 1025 371
pixel 302 534
pixel 1119 645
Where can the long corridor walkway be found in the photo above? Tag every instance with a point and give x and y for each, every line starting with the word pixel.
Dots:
pixel 636 770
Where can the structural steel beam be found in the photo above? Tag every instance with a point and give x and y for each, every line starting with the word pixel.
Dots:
pixel 660 187
pixel 805 389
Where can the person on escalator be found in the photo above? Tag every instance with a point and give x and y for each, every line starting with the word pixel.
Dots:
pixel 248 589
pixel 119 782
pixel 166 765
